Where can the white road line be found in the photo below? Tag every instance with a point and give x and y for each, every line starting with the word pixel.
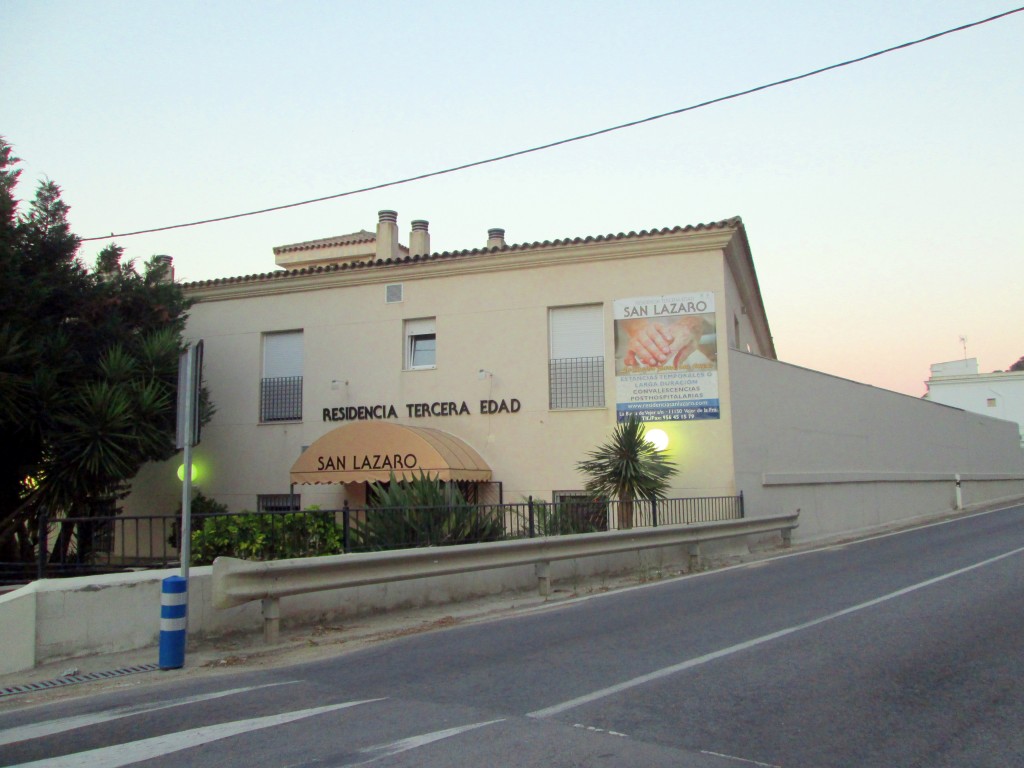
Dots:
pixel 158 746
pixel 413 742
pixel 815 549
pixel 50 727
pixel 740 759
pixel 698 661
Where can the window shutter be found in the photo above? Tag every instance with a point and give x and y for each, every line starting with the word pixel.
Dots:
pixel 282 354
pixel 577 331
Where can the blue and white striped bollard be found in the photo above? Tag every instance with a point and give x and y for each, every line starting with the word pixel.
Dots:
pixel 173 622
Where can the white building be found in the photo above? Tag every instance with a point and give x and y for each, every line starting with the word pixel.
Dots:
pixel 505 364
pixel 999 394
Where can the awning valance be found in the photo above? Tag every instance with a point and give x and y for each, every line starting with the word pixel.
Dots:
pixel 370 451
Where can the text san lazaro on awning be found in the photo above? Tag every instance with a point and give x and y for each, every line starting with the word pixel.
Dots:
pixel 370 451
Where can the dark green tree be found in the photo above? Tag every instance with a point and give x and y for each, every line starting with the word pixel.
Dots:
pixel 1018 366
pixel 627 468
pixel 88 368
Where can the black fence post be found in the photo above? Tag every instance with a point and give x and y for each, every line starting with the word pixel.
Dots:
pixel 742 512
pixel 44 525
pixel 654 513
pixel 529 505
pixel 346 527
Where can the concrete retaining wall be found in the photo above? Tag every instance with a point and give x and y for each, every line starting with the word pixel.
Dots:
pixel 852 457
pixel 57 619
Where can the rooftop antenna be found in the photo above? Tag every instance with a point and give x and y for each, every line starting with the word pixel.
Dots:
pixel 963 343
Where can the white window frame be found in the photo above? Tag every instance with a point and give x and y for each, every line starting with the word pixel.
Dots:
pixel 576 332
pixel 417 332
pixel 282 358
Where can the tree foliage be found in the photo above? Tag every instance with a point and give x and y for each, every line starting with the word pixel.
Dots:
pixel 1018 366
pixel 88 365
pixel 627 468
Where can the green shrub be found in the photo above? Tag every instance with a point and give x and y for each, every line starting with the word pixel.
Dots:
pixel 567 517
pixel 265 536
pixel 423 512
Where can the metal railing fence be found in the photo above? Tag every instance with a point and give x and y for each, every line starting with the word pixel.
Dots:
pixel 83 546
pixel 111 543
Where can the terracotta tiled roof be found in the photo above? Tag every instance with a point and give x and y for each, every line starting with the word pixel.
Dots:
pixel 734 222
pixel 362 236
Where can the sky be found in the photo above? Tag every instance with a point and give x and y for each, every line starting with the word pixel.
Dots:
pixel 882 200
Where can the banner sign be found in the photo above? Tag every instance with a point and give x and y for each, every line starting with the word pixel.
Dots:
pixel 666 357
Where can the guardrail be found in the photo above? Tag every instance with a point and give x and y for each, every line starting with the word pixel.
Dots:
pixel 236 582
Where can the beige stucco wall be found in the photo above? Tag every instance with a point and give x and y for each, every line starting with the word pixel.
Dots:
pixel 491 313
pixel 852 457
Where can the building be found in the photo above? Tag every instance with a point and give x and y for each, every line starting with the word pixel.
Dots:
pixel 999 394
pixel 502 366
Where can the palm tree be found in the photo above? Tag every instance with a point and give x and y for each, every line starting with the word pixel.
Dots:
pixel 627 467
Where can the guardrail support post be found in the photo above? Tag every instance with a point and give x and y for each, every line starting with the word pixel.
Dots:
pixel 694 562
pixel 787 537
pixel 271 619
pixel 543 571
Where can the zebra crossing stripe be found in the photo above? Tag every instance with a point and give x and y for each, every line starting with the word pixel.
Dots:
pixel 61 725
pixel 158 746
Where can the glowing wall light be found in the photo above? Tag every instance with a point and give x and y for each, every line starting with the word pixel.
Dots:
pixel 181 473
pixel 658 438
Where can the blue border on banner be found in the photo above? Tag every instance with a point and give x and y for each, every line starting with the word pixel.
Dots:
pixel 672 410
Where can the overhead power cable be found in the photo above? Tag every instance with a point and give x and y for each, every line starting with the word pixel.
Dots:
pixel 561 142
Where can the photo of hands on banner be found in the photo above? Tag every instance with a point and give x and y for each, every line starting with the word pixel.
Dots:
pixel 667 342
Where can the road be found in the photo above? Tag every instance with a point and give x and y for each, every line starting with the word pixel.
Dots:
pixel 902 650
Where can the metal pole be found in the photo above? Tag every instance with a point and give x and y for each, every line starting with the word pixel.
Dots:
pixel 186 484
pixel 346 527
pixel 44 524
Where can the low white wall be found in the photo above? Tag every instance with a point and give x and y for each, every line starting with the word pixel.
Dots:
pixel 57 619
pixel 17 634
pixel 853 457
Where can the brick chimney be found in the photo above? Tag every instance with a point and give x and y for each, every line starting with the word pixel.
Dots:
pixel 167 262
pixel 496 238
pixel 387 235
pixel 419 238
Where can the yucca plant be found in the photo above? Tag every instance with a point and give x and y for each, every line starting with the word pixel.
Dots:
pixel 423 512
pixel 627 468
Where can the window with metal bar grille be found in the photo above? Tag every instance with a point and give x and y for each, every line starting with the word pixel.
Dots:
pixel 576 382
pixel 281 399
pixel 278 502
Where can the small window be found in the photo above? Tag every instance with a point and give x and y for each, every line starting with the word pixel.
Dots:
pixel 420 344
pixel 991 402
pixel 278 502
pixel 281 383
pixel 576 361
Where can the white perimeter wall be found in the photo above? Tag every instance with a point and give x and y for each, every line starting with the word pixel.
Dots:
pixel 57 619
pixel 852 457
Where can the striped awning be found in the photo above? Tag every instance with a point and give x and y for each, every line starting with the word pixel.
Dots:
pixel 371 451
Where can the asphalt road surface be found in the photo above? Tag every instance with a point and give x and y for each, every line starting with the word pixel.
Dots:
pixel 902 650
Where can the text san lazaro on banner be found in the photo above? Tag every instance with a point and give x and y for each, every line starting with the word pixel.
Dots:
pixel 666 357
